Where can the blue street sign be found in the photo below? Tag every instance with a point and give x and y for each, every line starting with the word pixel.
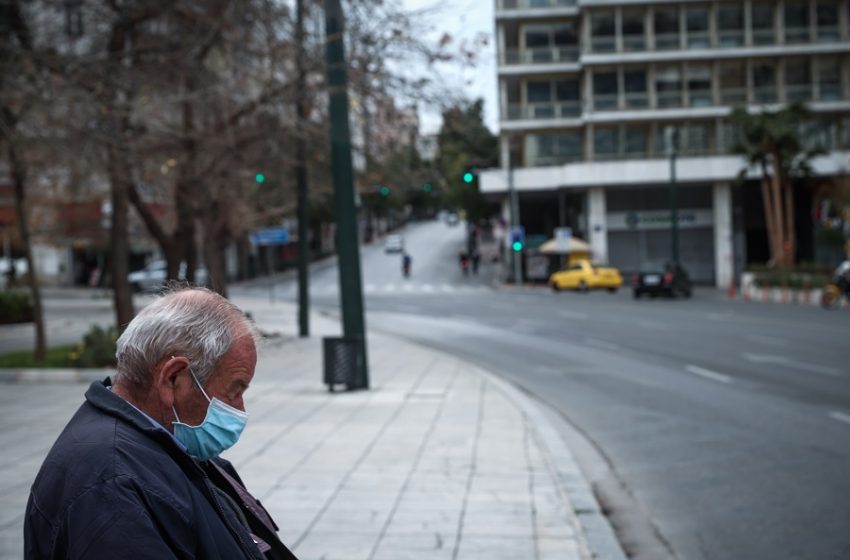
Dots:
pixel 270 236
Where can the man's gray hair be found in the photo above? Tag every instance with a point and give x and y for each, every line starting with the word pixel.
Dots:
pixel 195 322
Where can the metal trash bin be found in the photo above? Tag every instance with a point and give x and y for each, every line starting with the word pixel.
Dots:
pixel 343 361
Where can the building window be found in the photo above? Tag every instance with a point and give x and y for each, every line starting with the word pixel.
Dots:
pixel 605 90
pixel 696 23
pixel 668 87
pixel 695 138
pixel 567 96
pixel 829 79
pixel 666 24
pixel 733 83
pixel 730 25
pixel 551 99
pixel 798 80
pixel 553 149
pixel 634 82
pixel 764 82
pixel 550 43
pixel 699 86
pixel 605 144
pixel 730 137
pixel 827 21
pixel 635 142
pixel 796 21
pixel 763 23
pixel 603 32
pixel 634 34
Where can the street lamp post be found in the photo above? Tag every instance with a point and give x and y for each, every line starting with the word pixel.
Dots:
pixel 515 255
pixel 672 145
pixel 351 292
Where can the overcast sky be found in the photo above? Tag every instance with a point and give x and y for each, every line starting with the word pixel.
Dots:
pixel 464 20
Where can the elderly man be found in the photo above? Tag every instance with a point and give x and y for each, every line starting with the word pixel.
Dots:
pixel 135 473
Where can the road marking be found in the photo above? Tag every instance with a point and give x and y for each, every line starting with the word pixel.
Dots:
pixel 653 325
pixel 370 288
pixel 769 340
pixel 407 288
pixel 427 288
pixel 787 362
pixel 719 316
pixel 446 288
pixel 572 314
pixel 389 288
pixel 840 416
pixel 708 374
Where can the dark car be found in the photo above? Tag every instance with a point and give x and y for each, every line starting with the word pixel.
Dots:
pixel 661 279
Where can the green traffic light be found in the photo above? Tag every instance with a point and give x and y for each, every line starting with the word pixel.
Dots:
pixel 426 187
pixel 385 191
pixel 260 178
pixel 517 246
pixel 468 177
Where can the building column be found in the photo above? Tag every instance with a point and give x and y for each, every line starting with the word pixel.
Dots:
pixel 723 239
pixel 597 226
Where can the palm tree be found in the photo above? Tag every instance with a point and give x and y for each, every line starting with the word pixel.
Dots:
pixel 772 141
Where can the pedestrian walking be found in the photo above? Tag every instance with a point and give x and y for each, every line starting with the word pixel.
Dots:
pixel 136 472
pixel 476 259
pixel 464 263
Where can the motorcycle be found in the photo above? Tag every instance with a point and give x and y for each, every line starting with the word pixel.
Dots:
pixel 839 288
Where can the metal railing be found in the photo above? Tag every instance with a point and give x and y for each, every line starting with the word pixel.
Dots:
pixel 700 98
pixel 603 44
pixel 668 99
pixel 634 43
pixel 556 110
pixel 636 100
pixel 798 92
pixel 828 34
pixel 699 39
pixel 830 91
pixel 730 38
pixel 558 159
pixel 764 95
pixel 666 41
pixel 541 55
pixel 535 4
pixel 605 102
pixel 733 96
pixel 764 37
pixel 796 34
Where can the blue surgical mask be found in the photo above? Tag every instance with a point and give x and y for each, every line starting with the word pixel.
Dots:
pixel 220 429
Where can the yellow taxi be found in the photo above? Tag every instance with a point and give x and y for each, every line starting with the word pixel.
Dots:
pixel 583 276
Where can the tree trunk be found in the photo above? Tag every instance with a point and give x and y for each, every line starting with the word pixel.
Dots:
pixel 770 225
pixel 18 170
pixel 119 177
pixel 214 239
pixel 791 231
pixel 778 215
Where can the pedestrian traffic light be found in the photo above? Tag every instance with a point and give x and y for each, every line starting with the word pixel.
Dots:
pixel 468 177
pixel 517 238
pixel 426 187
pixel 384 190
pixel 260 178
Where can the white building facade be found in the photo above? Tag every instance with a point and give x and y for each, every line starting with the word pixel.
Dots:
pixel 589 89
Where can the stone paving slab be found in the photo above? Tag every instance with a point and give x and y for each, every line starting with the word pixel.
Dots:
pixel 436 461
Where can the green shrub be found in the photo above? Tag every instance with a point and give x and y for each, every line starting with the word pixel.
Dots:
pixel 795 279
pixel 97 349
pixel 15 307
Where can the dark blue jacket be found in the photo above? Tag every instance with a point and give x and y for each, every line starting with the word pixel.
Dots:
pixel 115 486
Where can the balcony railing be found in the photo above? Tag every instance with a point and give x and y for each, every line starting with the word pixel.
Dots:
pixel 557 110
pixel 796 34
pixel 830 91
pixel 554 159
pixel 700 98
pixel 798 92
pixel 730 38
pixel 669 99
pixel 764 37
pixel 699 40
pixel 733 96
pixel 636 100
pixel 634 43
pixel 605 102
pixel 764 94
pixel 666 41
pixel 541 55
pixel 603 44
pixel 828 33
pixel 535 4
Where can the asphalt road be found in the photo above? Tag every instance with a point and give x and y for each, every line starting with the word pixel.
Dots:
pixel 726 424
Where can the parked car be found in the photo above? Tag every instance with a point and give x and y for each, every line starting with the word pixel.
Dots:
pixel 661 279
pixel 584 275
pixel 452 219
pixel 153 276
pixel 394 244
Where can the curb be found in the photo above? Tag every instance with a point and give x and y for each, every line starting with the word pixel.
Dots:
pixel 595 531
pixel 54 375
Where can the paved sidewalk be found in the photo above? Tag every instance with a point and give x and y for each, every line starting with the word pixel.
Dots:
pixel 437 460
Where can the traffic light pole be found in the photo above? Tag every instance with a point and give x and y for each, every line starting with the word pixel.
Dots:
pixel 674 206
pixel 301 178
pixel 515 255
pixel 348 249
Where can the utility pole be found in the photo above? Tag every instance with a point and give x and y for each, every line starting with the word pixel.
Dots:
pixel 516 255
pixel 351 292
pixel 673 141
pixel 301 176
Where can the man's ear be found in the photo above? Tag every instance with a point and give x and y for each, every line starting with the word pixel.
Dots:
pixel 169 379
